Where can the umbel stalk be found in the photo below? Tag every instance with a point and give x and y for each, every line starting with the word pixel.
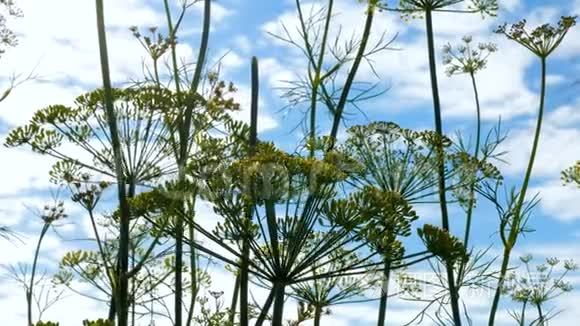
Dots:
pixel 515 229
pixel 454 295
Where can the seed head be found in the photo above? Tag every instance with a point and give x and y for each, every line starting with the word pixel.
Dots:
pixel 542 40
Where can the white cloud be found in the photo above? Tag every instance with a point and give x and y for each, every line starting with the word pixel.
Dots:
pixel 242 43
pixel 559 202
pixel 558 136
pixel 230 60
pixel 29 97
pixel 555 79
pixel 24 170
pixel 243 97
pixel 510 5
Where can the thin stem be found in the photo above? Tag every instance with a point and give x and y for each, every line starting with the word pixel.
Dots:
pixel 476 155
pixel 30 289
pixel 384 294
pixel 515 227
pixel 244 278
pixel 192 264
pixel 441 164
pixel 472 186
pixel 108 269
pixel 234 304
pixel 123 284
pixel 352 73
pixel 184 139
pixel 317 80
pixel 541 317
pixel 266 308
pixel 173 50
pixel 523 316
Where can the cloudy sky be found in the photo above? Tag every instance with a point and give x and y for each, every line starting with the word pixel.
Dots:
pixel 58 42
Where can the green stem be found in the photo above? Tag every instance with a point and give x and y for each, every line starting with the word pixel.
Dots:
pixel 316 82
pixel 30 289
pixel 523 316
pixel 317 315
pixel 192 263
pixel 471 195
pixel 515 227
pixel 121 299
pixel 384 294
pixel 133 287
pixel 352 73
pixel 454 295
pixel 184 139
pixel 264 311
pixel 541 318
pixel 476 155
pixel 234 304
pixel 278 314
pixel 244 272
pixel 173 50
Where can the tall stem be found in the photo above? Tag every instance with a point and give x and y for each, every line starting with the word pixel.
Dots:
pixel 173 50
pixel 132 292
pixel 476 155
pixel 317 315
pixel 352 73
pixel 278 314
pixel 30 289
pixel 384 294
pixel 541 318
pixel 184 146
pixel 316 81
pixel 515 228
pixel 454 295
pixel 244 273
pixel 234 304
pixel 471 202
pixel 192 263
pixel 523 315
pixel 121 299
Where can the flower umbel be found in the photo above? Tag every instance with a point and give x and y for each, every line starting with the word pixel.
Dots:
pixel 53 213
pixel 414 8
pixel 572 174
pixel 466 58
pixel 542 40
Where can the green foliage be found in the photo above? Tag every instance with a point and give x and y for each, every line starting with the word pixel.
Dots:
pixel 98 322
pixel 415 8
pixel 572 174
pixel 212 317
pixel 46 323
pixel 385 215
pixel 405 161
pixel 442 244
pixel 85 126
pixel 394 158
pixel 331 290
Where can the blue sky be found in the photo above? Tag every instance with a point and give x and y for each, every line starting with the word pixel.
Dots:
pixel 59 39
